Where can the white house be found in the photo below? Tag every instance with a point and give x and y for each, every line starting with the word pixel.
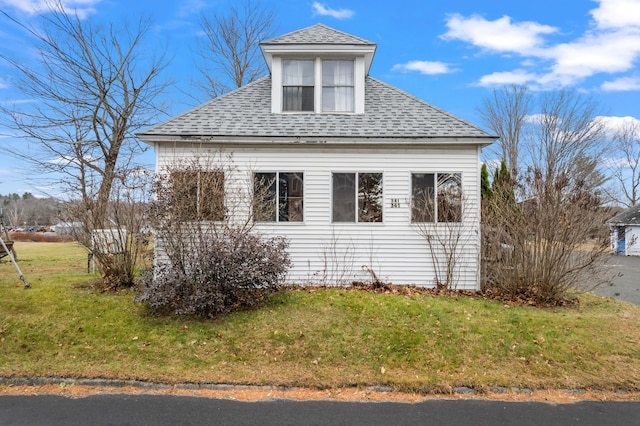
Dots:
pixel 350 159
pixel 625 232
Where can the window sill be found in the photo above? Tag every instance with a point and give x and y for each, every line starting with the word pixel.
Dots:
pixel 319 113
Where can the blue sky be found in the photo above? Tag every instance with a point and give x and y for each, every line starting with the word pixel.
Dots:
pixel 448 53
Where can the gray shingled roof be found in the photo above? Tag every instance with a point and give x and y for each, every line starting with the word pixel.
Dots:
pixel 627 217
pixel 318 34
pixel 246 112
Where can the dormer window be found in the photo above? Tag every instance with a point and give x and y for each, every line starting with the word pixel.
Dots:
pixel 318 70
pixel 298 83
pixel 337 86
pixel 318 85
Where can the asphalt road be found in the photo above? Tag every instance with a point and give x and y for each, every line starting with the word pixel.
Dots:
pixel 626 279
pixel 101 410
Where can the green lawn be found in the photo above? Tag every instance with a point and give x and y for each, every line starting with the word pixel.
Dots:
pixel 62 327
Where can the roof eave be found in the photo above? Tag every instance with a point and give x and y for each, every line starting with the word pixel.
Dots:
pixel 151 138
pixel 367 51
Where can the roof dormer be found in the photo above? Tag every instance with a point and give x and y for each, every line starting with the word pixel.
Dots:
pixel 318 70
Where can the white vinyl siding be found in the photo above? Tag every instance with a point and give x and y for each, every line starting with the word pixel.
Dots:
pixel 323 252
pixel 632 241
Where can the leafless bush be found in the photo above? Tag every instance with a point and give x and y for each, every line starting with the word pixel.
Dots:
pixel 222 274
pixel 444 217
pixel 209 260
pixel 200 198
pixel 539 249
pixel 116 250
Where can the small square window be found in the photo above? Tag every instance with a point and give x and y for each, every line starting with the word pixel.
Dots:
pixel 198 195
pixel 357 197
pixel 429 205
pixel 278 197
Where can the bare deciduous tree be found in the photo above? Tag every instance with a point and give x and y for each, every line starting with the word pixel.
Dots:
pixel 229 54
pixel 626 169
pixel 93 88
pixel 120 246
pixel 543 229
pixel 505 113
pixel 28 211
pixel 565 137
pixel 446 220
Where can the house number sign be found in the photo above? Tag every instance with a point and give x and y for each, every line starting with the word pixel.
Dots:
pixel 395 203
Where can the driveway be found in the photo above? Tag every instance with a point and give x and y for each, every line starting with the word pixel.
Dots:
pixel 626 281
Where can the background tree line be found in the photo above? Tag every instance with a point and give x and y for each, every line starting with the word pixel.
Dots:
pixel 25 211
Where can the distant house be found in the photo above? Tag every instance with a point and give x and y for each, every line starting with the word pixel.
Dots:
pixel 625 232
pixel 349 160
pixel 67 228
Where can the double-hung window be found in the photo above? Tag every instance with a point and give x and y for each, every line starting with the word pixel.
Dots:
pixel 436 197
pixel 298 81
pixel 334 81
pixel 278 197
pixel 337 86
pixel 357 197
pixel 197 195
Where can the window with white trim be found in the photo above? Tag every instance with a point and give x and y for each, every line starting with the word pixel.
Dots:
pixel 298 83
pixel 337 86
pixel 357 197
pixel 315 85
pixel 197 195
pixel 278 196
pixel 436 197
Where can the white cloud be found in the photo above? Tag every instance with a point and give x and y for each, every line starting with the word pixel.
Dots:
pixel 423 67
pixel 621 84
pixel 536 118
pixel 500 35
pixel 617 14
pixel 65 160
pixel 612 125
pixel 610 46
pixel 190 7
pixel 82 8
pixel 493 164
pixel 322 10
pixel 518 76
pixel 597 53
pixel 3 83
pixel 18 102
